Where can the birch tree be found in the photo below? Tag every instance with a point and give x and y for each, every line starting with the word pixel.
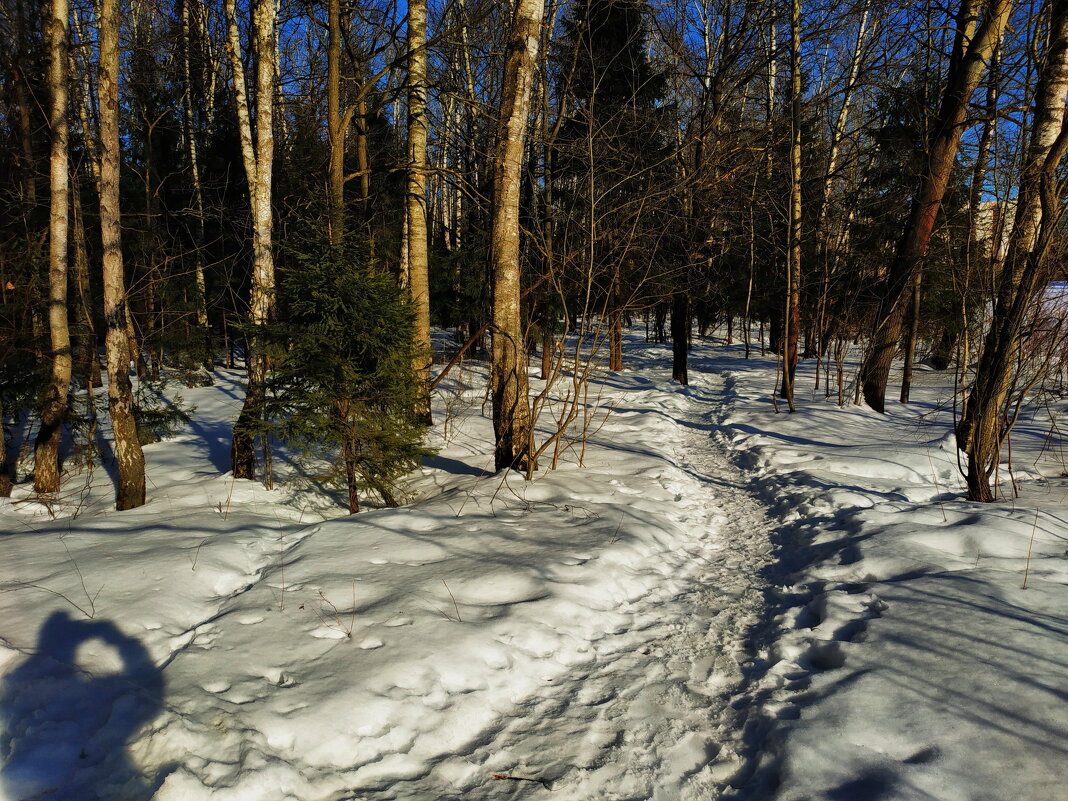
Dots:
pixel 54 406
pixel 511 406
pixel 128 453
pixel 258 157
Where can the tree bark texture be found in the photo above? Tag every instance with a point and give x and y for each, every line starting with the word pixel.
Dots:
pixel 258 156
pixel 511 404
pixel 967 63
pixel 128 454
pixel 987 421
pixel 416 202
pixel 792 327
pixel 54 407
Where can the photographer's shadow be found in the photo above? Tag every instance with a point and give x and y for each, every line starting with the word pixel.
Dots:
pixel 65 724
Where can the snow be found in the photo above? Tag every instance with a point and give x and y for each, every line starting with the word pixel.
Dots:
pixel 722 602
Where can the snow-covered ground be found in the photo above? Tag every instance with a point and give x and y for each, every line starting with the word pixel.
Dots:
pixel 725 601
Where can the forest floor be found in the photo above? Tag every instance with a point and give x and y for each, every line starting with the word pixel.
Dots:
pixel 724 601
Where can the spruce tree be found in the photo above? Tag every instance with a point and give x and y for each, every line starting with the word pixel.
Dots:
pixel 343 386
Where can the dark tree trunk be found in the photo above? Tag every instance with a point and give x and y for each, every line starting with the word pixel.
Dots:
pixel 680 335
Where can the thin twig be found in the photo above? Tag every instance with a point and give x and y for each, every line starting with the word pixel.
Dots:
pixel 455 606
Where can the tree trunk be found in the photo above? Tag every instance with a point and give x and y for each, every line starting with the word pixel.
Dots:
pixel 967 63
pixel 337 125
pixel 198 195
pixel 511 404
pixel 792 326
pixel 259 165
pixel 912 336
pixel 6 481
pixel 615 340
pixel 129 456
pixel 54 407
pixel 416 204
pixel 680 335
pixel 987 421
pixel 88 356
pixel 351 454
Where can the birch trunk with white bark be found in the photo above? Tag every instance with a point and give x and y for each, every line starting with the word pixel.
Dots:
pixel 510 385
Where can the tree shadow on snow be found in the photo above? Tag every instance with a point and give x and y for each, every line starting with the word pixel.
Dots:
pixel 65 727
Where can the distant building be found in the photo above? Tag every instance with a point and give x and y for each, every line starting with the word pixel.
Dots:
pixel 993 226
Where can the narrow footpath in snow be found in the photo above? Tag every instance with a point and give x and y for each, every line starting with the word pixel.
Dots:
pixel 664 716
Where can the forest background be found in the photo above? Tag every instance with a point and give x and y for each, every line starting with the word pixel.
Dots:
pixel 307 187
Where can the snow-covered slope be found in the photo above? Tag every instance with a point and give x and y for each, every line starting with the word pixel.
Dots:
pixel 921 647
pixel 582 630
pixel 724 601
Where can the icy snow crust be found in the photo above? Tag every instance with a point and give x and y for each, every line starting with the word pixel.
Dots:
pixel 725 602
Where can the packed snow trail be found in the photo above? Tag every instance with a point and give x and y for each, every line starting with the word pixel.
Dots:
pixel 584 630
pixel 621 630
pixel 657 715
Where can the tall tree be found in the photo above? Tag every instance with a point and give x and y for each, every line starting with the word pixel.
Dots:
pixel 258 156
pixel 337 124
pixel 192 153
pixel 416 263
pixel 972 48
pixel 54 405
pixel 128 453
pixel 792 323
pixel 511 407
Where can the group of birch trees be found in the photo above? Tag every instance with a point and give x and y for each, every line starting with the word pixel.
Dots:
pixel 807 174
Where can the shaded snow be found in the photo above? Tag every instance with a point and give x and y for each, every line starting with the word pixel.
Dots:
pixel 724 601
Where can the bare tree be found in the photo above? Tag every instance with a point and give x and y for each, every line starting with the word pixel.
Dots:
pixel 792 321
pixel 54 406
pixel 972 48
pixel 988 416
pixel 511 406
pixel 128 453
pixel 190 134
pixel 259 165
pixel 415 265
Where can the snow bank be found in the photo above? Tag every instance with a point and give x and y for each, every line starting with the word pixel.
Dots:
pixel 231 643
pixel 920 651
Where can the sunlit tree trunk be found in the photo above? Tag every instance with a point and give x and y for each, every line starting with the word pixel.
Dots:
pixel 128 453
pixel 511 405
pixel 258 156
pixel 54 405
pixel 338 121
pixel 416 201
pixel 967 63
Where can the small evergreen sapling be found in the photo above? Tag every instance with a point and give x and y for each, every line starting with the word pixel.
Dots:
pixel 342 385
